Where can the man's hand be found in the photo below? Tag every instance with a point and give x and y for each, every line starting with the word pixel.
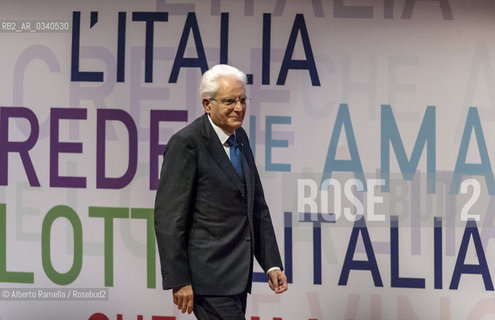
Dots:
pixel 277 281
pixel 184 298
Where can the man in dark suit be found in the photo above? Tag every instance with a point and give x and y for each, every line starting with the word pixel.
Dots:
pixel 211 217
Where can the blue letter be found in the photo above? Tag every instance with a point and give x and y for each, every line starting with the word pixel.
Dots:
pixel 265 56
pixel 75 74
pixel 461 267
pixel 370 264
pixel 289 63
pixel 395 279
pixel 180 61
pixel 224 38
pixel 437 252
pixel 150 18
pixel 121 48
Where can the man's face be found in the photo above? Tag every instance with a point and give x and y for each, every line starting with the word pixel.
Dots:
pixel 225 113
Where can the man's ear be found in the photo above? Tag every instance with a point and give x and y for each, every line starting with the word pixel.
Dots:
pixel 206 104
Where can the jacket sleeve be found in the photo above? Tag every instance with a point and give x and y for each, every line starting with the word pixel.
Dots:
pixel 266 249
pixel 172 210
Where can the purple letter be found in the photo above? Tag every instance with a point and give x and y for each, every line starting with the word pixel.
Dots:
pixel 57 147
pixel 22 147
pixel 117 115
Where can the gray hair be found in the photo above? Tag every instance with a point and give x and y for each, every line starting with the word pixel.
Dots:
pixel 209 82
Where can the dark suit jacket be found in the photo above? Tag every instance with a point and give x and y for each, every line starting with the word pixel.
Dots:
pixel 208 222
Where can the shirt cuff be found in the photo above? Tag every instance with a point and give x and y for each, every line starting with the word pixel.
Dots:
pixel 273 268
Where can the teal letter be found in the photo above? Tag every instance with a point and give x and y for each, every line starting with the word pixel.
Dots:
pixel 51 216
pixel 332 164
pixel 427 135
pixel 270 143
pixel 461 167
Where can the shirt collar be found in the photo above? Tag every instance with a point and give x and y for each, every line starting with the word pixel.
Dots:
pixel 219 131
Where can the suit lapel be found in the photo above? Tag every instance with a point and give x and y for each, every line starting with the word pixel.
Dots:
pixel 213 145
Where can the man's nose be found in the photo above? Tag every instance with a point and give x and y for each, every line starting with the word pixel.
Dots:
pixel 238 105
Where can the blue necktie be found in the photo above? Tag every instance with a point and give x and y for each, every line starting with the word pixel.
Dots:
pixel 235 155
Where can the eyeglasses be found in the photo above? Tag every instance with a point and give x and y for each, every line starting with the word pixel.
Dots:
pixel 232 102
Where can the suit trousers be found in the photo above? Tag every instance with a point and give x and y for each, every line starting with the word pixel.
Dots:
pixel 220 307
